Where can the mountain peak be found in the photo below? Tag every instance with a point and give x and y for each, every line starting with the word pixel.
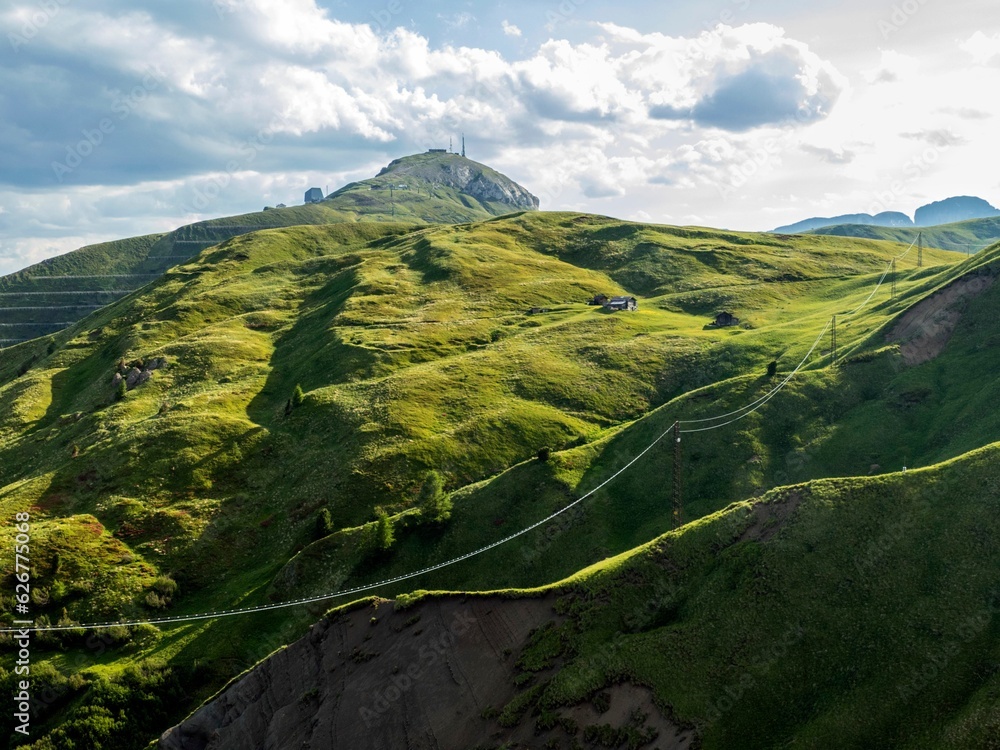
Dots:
pixel 477 180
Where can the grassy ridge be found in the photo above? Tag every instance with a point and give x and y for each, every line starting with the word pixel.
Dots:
pixel 414 350
pixel 426 200
pixel 841 614
pixel 964 236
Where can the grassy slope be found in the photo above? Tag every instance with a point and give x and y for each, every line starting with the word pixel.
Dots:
pixel 145 258
pixel 33 287
pixel 869 619
pixel 964 236
pixel 415 352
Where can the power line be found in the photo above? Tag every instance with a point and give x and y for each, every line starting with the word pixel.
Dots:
pixel 351 591
pixel 674 429
pixel 759 402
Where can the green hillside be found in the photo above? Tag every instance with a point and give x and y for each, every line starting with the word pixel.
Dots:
pixel 854 613
pixel 438 189
pixel 208 485
pixel 964 237
pixel 48 296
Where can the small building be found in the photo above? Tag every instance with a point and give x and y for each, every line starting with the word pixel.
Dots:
pixel 724 320
pixel 599 299
pixel 281 205
pixel 437 151
pixel 314 195
pixel 616 304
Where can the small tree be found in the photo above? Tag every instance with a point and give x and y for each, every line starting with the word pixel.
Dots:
pixel 384 536
pixel 122 391
pixel 298 396
pixel 544 454
pixel 324 523
pixel 434 504
pixel 772 369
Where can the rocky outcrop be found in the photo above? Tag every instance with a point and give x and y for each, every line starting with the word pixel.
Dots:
pixel 136 373
pixel 467 176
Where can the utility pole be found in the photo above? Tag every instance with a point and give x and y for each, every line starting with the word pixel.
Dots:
pixel 920 250
pixel 392 201
pixel 678 476
pixel 892 291
pixel 833 341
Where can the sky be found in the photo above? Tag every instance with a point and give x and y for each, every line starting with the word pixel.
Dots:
pixel 121 118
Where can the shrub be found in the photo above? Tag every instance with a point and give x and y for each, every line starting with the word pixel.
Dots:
pixel 384 536
pixel 772 369
pixel 435 505
pixel 324 523
pixel 298 396
pixel 544 454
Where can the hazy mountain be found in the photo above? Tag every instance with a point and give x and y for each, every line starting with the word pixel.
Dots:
pixel 886 219
pixel 947 211
pixel 952 210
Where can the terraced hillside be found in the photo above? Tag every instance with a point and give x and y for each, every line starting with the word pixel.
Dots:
pixel 293 388
pixel 419 189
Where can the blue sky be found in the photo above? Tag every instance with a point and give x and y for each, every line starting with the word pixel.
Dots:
pixel 125 118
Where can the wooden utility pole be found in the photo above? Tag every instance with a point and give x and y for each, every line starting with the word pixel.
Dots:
pixel 678 477
pixel 833 341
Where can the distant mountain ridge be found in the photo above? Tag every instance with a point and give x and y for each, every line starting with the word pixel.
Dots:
pixel 948 211
pixel 886 219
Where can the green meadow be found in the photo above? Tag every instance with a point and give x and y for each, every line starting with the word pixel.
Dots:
pixel 303 380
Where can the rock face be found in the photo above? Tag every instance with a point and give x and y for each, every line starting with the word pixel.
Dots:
pixel 467 176
pixel 951 210
pixel 435 676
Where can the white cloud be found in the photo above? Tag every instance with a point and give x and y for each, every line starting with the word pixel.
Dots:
pixel 510 29
pixel 984 49
pixel 723 125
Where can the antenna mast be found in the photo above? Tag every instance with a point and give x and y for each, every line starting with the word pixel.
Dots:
pixel 463 145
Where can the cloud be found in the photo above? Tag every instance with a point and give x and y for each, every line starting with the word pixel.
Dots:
pixel 510 29
pixel 941 138
pixel 967 113
pixel 829 155
pixel 893 66
pixel 985 50
pixel 738 79
pixel 456 20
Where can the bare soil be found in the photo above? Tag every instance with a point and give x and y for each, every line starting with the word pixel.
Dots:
pixel 435 676
pixel 925 329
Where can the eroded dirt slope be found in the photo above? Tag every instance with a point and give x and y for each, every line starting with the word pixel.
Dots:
pixel 436 675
